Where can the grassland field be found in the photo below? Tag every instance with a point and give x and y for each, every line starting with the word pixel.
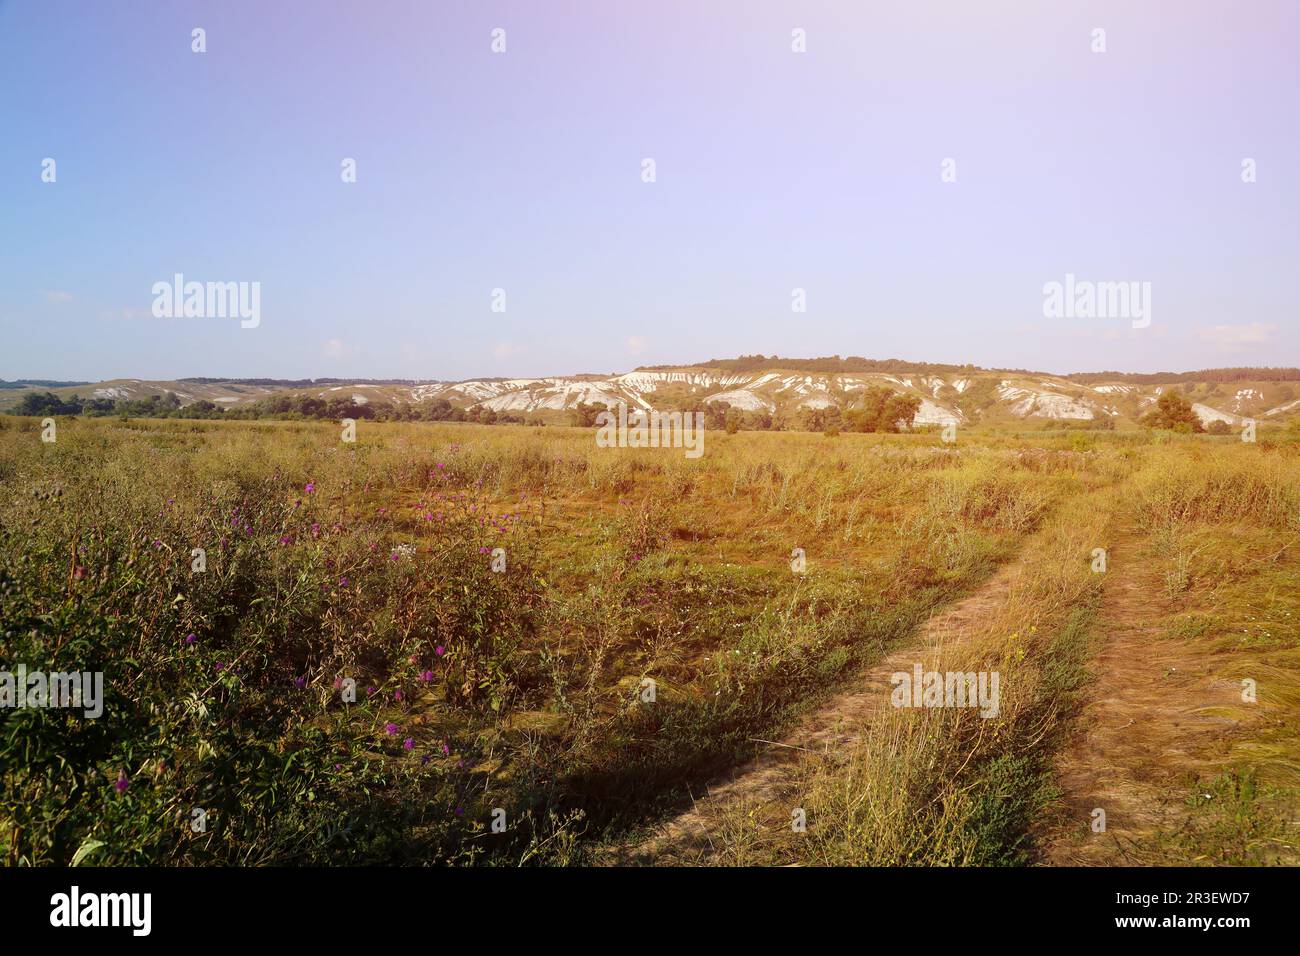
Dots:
pixel 556 648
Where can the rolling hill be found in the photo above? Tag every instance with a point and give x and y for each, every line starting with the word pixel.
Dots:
pixel 962 394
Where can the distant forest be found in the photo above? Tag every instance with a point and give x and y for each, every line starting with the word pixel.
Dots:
pixel 36 383
pixel 855 363
pixel 830 363
pixel 1216 376
pixel 875 410
pixel 288 407
pixel 305 382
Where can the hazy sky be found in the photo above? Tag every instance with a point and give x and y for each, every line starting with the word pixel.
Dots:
pixel 522 170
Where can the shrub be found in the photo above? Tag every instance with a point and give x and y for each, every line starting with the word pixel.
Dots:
pixel 1174 412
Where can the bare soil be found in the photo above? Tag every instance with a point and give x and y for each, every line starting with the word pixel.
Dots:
pixel 829 729
pixel 1153 724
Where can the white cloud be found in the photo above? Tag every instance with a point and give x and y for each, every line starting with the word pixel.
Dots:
pixel 125 314
pixel 336 348
pixel 636 345
pixel 505 350
pixel 56 295
pixel 1238 337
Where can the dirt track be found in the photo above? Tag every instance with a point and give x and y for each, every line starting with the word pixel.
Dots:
pixel 836 723
pixel 1145 732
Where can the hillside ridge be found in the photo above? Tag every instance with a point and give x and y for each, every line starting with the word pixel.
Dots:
pixel 763 386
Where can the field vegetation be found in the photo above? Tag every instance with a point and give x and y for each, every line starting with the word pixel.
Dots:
pixel 556 647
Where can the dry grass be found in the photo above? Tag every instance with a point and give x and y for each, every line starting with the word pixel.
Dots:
pixel 624 565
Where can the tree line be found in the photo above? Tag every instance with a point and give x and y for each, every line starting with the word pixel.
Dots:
pixel 877 409
pixel 285 407
pixel 833 364
pixel 1211 375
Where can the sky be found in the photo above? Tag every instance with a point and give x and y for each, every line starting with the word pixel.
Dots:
pixel 524 171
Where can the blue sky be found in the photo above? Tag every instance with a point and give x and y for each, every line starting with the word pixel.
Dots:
pixel 522 171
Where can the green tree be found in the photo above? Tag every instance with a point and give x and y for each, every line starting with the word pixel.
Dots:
pixel 881 410
pixel 47 403
pixel 899 411
pixel 1174 412
pixel 583 415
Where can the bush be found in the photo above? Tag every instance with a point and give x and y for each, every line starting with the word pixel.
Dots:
pixel 1173 412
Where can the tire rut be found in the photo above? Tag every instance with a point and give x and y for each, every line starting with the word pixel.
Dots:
pixel 833 726
pixel 1146 730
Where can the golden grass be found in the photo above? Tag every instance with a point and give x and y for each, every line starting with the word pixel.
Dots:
pixel 647 564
